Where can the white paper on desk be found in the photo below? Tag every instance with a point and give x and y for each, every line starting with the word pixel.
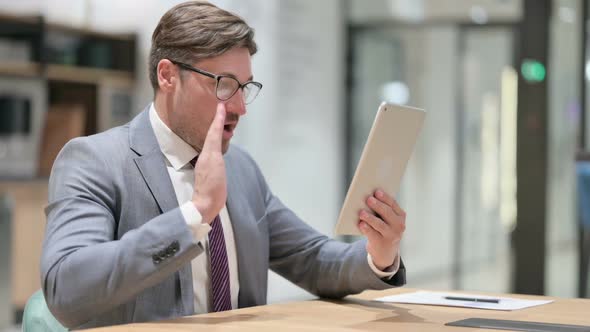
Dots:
pixel 438 298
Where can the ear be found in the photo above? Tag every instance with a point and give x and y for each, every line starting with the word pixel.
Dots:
pixel 168 75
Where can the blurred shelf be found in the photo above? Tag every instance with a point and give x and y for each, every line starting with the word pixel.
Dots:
pixel 88 75
pixel 30 19
pixel 67 73
pixel 50 64
pixel 55 26
pixel 89 32
pixel 25 69
pixel 92 56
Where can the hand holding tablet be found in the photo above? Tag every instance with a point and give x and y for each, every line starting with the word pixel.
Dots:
pixel 383 161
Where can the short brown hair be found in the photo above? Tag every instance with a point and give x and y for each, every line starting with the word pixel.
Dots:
pixel 196 30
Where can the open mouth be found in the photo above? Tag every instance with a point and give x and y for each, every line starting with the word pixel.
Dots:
pixel 228 130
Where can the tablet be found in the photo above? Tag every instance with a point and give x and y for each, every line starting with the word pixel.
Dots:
pixel 386 153
pixel 513 325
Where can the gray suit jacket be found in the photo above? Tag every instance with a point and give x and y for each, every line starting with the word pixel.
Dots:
pixel 117 249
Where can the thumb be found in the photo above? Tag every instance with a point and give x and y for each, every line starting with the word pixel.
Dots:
pixel 215 133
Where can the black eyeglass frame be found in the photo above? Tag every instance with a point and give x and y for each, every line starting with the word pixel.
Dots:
pixel 218 78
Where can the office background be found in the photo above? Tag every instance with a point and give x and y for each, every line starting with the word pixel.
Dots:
pixel 503 82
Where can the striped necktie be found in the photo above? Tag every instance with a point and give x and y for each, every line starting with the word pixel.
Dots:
pixel 220 286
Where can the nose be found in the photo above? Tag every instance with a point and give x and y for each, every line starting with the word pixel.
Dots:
pixel 236 103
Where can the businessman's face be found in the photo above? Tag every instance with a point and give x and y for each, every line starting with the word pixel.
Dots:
pixel 196 99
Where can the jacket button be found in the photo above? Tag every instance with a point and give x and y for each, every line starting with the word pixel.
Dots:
pixel 162 254
pixel 170 252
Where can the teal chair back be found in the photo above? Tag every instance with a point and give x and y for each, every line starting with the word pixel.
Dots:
pixel 38 318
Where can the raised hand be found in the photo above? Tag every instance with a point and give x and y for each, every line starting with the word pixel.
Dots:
pixel 210 191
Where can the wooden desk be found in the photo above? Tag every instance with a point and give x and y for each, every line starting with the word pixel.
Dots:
pixel 359 313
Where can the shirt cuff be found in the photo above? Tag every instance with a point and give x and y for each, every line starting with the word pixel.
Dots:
pixel 389 272
pixel 194 220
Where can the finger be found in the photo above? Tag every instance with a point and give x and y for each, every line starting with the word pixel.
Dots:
pixel 383 210
pixel 389 200
pixel 373 221
pixel 401 227
pixel 369 232
pixel 215 133
pixel 384 197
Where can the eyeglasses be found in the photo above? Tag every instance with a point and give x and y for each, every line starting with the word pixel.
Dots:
pixel 227 86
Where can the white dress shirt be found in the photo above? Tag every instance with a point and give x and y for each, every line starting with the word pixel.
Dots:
pixel 178 155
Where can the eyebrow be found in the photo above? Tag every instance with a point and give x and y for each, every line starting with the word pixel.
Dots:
pixel 234 76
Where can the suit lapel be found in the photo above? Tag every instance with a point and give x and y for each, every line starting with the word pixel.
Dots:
pixel 152 166
pixel 153 170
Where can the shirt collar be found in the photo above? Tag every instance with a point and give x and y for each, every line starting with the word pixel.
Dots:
pixel 175 149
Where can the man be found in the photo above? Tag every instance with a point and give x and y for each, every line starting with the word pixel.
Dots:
pixel 140 229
